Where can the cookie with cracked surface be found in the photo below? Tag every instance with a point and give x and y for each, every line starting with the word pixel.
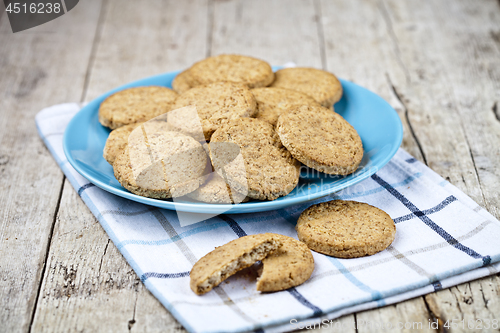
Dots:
pixel 321 139
pixel 253 159
pixel 271 102
pixel 250 71
pixel 289 266
pixel 226 260
pixel 135 105
pixel 216 104
pixel 345 229
pixel 216 190
pixel 182 82
pixel 321 85
pixel 160 164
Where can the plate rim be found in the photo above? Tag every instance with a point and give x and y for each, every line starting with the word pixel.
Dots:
pixel 200 207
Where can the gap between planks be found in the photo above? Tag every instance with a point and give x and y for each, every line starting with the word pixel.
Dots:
pixel 93 51
pixel 56 210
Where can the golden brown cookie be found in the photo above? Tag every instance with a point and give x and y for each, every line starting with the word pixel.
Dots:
pixel 160 164
pixel 321 139
pixel 225 260
pixel 233 68
pixel 216 104
pixel 323 86
pixel 271 102
pixel 253 159
pixel 135 105
pixel 182 82
pixel 289 266
pixel 215 190
pixel 117 140
pixel 345 229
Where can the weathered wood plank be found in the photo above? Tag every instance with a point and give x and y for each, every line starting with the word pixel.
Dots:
pixel 358 48
pixel 469 306
pixel 34 66
pixel 163 36
pixel 84 275
pixel 372 51
pixel 270 30
pixel 106 295
pixel 452 89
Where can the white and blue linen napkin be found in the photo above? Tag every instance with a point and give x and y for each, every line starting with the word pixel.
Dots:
pixel 443 238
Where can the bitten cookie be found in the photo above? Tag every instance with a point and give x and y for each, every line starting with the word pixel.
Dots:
pixel 182 82
pixel 345 229
pixel 225 260
pixel 321 139
pixel 233 68
pixel 216 104
pixel 323 86
pixel 117 140
pixel 215 190
pixel 161 164
pixel 271 102
pixel 135 105
pixel 264 169
pixel 289 266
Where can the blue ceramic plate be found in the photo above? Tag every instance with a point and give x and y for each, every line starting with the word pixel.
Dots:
pixel 375 120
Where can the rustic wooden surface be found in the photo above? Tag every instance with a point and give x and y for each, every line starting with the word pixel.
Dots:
pixel 436 62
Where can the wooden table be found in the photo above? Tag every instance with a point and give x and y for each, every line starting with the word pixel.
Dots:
pixel 436 62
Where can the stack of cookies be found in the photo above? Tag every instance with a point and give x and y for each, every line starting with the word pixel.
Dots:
pixel 236 130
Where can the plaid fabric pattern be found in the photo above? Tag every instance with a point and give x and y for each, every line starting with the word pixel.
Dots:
pixel 443 238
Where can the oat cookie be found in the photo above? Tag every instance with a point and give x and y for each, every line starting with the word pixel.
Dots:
pixel 182 82
pixel 160 164
pixel 271 102
pixel 233 68
pixel 117 140
pixel 225 260
pixel 345 229
pixel 216 104
pixel 323 86
pixel 215 190
pixel 269 171
pixel 321 139
pixel 135 105
pixel 289 266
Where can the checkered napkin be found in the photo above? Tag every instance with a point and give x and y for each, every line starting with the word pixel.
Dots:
pixel 443 238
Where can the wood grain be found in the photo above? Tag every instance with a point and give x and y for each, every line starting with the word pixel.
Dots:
pixel 87 278
pixel 164 36
pixel 436 62
pixel 270 30
pixel 34 67
pixel 359 48
pixel 454 87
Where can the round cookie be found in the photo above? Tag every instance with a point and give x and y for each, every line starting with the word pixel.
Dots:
pixel 267 170
pixel 345 229
pixel 323 86
pixel 233 68
pixel 230 258
pixel 177 169
pixel 216 104
pixel 321 139
pixel 271 102
pixel 215 190
pixel 117 140
pixel 289 266
pixel 182 82
pixel 135 105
